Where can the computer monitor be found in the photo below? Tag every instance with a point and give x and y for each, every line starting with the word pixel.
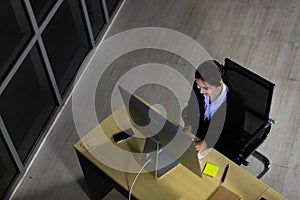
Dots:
pixel 166 143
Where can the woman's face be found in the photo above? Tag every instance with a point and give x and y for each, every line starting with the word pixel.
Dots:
pixel 209 90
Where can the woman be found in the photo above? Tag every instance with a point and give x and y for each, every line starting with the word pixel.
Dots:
pixel 219 120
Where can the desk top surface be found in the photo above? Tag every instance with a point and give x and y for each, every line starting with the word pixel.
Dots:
pixel 179 183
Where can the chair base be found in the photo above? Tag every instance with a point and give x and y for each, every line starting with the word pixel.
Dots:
pixel 262 158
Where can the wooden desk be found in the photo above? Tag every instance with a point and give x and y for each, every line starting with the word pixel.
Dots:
pixel 179 183
pixel 270 193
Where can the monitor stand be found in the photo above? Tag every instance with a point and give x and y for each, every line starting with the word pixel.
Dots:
pixel 161 162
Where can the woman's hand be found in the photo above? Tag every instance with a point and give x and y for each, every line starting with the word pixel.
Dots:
pixel 200 145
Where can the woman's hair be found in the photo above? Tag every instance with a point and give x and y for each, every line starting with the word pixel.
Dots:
pixel 209 71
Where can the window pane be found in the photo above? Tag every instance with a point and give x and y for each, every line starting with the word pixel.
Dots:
pixel 41 8
pixel 8 170
pixel 15 32
pixel 111 4
pixel 96 16
pixel 66 42
pixel 26 103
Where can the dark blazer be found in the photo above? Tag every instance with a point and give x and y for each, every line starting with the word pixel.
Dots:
pixel 223 131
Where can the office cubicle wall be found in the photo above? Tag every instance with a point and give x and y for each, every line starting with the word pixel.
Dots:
pixel 43 45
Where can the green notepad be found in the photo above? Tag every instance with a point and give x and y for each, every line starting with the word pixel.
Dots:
pixel 210 169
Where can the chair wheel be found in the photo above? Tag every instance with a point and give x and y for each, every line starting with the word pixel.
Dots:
pixel 245 163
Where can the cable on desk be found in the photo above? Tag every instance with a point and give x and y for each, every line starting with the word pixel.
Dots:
pixel 131 188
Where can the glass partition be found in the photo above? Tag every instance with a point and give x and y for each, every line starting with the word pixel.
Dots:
pixel 8 170
pixel 27 103
pixel 96 16
pixel 111 4
pixel 41 8
pixel 14 34
pixel 66 42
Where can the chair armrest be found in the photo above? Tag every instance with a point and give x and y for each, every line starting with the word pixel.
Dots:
pixel 260 131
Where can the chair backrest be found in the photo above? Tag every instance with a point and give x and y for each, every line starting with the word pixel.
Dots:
pixel 255 89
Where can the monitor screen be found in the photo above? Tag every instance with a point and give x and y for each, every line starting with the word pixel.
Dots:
pixel 169 136
pixel 148 121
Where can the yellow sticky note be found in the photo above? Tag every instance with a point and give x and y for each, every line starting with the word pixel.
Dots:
pixel 210 169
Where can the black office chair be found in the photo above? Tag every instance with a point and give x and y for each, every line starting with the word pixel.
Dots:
pixel 258 94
